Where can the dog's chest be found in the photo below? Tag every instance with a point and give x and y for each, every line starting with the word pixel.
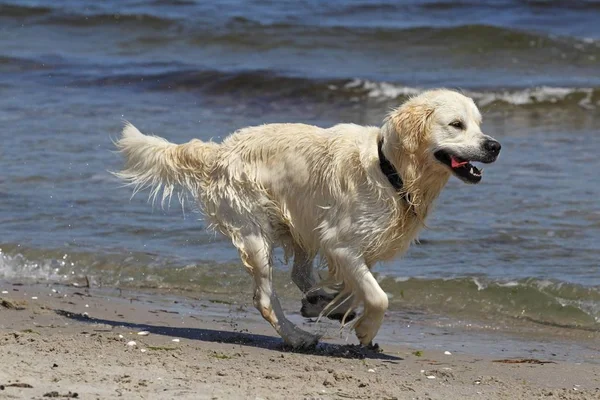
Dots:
pixel 391 232
pixel 402 235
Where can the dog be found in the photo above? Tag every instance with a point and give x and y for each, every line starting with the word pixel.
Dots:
pixel 351 195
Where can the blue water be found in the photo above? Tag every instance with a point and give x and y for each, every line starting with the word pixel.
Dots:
pixel 71 71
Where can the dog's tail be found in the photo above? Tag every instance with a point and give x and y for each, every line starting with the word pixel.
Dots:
pixel 153 162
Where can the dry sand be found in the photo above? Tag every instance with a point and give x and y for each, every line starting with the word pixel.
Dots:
pixel 49 347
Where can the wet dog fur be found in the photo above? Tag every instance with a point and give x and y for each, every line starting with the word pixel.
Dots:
pixel 320 193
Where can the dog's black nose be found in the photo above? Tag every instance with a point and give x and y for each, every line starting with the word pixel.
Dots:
pixel 492 146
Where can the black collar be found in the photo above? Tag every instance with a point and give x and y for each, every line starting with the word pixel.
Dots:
pixel 389 171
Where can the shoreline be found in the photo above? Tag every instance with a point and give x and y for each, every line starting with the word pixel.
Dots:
pixel 64 339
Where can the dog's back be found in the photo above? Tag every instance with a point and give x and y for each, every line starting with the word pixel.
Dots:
pixel 295 180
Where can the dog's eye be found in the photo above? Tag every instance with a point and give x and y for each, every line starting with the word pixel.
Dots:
pixel 457 124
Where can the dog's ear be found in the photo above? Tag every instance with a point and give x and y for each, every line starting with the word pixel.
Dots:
pixel 411 124
pixel 407 130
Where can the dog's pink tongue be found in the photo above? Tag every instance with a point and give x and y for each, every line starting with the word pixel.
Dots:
pixel 455 163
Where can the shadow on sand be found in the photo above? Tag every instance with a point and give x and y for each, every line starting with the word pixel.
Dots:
pixel 241 338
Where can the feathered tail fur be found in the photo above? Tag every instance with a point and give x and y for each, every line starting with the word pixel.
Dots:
pixel 153 162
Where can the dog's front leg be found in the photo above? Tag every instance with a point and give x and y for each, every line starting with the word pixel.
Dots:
pixel 358 277
pixel 303 274
pixel 318 299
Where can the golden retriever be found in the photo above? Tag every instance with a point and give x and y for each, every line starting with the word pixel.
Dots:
pixel 351 194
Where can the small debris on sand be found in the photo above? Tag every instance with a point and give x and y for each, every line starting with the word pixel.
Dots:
pixel 12 305
pixel 69 395
pixel 17 385
pixel 524 361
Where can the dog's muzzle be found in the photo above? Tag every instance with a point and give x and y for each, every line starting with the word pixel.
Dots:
pixel 461 166
pixel 491 148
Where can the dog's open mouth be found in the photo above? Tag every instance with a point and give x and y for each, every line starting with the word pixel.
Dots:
pixel 463 169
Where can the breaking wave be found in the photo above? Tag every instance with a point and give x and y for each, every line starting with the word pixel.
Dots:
pixel 545 302
pixel 269 83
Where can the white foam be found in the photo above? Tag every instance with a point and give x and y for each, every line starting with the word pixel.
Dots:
pixel 543 94
pixel 480 286
pixel 589 307
pixel 388 90
pixel 382 90
pixel 18 267
pixel 509 284
pixel 545 283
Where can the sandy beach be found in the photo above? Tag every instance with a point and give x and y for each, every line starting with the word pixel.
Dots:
pixel 72 342
pixel 499 299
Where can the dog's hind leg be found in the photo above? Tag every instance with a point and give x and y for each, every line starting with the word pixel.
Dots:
pixel 316 298
pixel 303 274
pixel 255 251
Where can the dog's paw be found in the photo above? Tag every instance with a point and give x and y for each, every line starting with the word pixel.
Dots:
pixel 339 316
pixel 313 305
pixel 374 347
pixel 302 343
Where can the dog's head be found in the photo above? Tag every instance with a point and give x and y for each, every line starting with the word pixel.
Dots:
pixel 443 127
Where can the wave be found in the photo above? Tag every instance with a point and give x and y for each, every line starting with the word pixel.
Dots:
pixel 174 2
pixel 223 82
pixel 468 39
pixel 565 4
pixel 250 31
pixel 535 4
pixel 82 20
pixel 272 84
pixel 15 10
pixel 115 268
pixel 588 98
pixel 545 302
pixel 16 64
pixel 58 16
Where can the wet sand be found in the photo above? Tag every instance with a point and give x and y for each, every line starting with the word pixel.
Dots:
pixel 58 340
